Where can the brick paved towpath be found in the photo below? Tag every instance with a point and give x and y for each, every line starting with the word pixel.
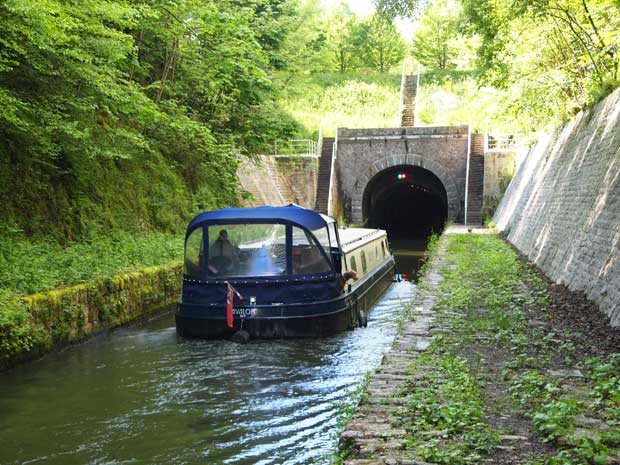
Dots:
pixel 370 436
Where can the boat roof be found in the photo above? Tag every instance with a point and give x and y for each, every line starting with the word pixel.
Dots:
pixel 289 214
pixel 351 238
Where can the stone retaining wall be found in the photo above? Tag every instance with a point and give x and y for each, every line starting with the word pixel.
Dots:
pixel 279 180
pixel 562 208
pixel 499 168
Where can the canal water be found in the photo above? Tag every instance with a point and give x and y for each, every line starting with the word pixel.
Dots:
pixel 140 395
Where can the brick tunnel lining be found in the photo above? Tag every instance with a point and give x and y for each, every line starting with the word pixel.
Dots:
pixel 406 201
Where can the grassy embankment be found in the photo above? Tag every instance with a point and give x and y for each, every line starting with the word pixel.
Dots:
pixel 370 100
pixel 501 374
pixel 353 100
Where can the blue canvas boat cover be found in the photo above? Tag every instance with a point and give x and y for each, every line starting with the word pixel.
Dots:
pixel 295 214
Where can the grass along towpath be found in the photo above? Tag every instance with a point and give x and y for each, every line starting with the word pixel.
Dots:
pixel 497 365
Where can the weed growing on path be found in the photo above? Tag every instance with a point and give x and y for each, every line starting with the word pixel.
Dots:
pixel 444 415
pixel 506 380
pixel 345 413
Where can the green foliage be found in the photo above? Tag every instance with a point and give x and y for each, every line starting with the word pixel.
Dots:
pixel 18 334
pixel 537 62
pixel 130 115
pixel 437 42
pixel 554 57
pixel 491 293
pixel 394 8
pixel 322 86
pixel 341 29
pixel 306 44
pixel 338 40
pixel 490 283
pixel 446 400
pixel 454 97
pixel 555 418
pixel 379 43
pixel 490 20
pixel 529 387
pixel 29 266
pixel 51 319
pixel 344 100
pixel 605 376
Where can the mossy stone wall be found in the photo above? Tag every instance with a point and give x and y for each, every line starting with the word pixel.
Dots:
pixel 68 315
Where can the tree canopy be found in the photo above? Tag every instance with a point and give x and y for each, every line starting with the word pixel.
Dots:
pixel 557 55
pixel 437 42
pixel 551 57
pixel 379 44
pixel 403 8
pixel 167 91
pixel 339 40
pixel 134 113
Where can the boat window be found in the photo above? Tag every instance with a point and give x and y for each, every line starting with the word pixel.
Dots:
pixel 307 255
pixel 364 266
pixel 353 264
pixel 383 248
pixel 192 265
pixel 333 238
pixel 245 250
pixel 323 238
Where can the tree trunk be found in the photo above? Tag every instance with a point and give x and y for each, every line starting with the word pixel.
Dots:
pixel 168 64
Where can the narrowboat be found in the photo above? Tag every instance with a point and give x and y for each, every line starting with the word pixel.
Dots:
pixel 278 272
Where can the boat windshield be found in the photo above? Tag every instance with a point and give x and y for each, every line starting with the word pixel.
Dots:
pixel 256 250
pixel 247 250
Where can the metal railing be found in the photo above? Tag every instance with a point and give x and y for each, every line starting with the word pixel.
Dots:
pixel 502 142
pixel 331 174
pixel 297 148
pixel 467 173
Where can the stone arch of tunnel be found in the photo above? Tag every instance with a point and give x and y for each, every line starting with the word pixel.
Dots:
pixel 406 200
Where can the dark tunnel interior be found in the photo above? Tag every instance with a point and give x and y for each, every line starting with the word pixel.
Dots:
pixel 406 201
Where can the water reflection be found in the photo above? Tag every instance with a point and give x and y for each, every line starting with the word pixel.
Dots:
pixel 140 395
pixel 409 253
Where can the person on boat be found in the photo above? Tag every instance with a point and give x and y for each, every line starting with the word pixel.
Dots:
pixel 346 276
pixel 224 256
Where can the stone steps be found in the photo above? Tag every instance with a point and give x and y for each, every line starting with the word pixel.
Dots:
pixel 475 191
pixel 324 176
pixel 407 117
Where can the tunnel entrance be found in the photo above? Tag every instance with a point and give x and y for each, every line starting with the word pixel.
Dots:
pixel 406 201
